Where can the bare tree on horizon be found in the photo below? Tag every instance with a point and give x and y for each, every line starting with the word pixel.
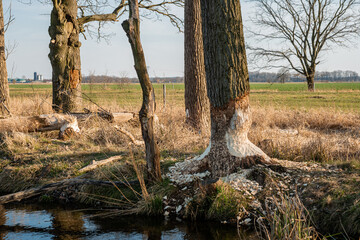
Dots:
pixel 300 30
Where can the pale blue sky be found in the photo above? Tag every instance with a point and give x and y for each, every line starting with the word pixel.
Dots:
pixel 163 47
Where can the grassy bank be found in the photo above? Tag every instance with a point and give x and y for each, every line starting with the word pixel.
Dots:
pixel 321 127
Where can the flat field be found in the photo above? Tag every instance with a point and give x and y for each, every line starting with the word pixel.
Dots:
pixel 335 96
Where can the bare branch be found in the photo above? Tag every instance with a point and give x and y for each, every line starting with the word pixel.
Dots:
pixel 300 30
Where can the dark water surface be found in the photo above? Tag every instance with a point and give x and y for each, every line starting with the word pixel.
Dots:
pixel 32 222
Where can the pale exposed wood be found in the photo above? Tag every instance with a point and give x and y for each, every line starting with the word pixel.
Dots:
pixel 96 164
pixel 33 192
pixel 130 136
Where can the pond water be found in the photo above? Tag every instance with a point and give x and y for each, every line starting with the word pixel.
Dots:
pixel 32 222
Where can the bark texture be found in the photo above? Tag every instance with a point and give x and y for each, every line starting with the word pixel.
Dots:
pixel 4 86
pixel 64 55
pixel 196 100
pixel 146 114
pixel 224 50
pixel 228 88
pixel 311 82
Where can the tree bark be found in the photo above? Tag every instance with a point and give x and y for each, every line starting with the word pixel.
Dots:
pixel 310 82
pixel 228 89
pixel 64 55
pixel 4 86
pixel 196 100
pixel 146 114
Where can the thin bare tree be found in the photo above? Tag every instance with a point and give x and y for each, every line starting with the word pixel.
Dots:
pixel 147 112
pixel 300 30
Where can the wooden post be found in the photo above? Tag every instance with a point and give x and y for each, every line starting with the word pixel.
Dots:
pixel 164 95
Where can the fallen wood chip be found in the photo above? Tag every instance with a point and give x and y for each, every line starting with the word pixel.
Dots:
pixel 96 164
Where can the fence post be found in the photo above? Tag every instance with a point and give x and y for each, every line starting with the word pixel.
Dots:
pixel 164 95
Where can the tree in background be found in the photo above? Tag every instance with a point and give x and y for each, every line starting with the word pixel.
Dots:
pixel 65 28
pixel 302 29
pixel 4 85
pixel 147 112
pixel 228 89
pixel 69 18
pixel 196 100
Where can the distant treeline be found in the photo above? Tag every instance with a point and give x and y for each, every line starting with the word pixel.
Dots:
pixel 112 79
pixel 335 76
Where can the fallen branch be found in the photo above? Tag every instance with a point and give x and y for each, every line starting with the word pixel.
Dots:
pixel 111 117
pixel 96 164
pixel 32 192
pixel 130 136
pixel 47 122
pixel 51 122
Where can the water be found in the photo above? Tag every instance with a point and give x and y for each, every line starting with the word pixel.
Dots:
pixel 32 222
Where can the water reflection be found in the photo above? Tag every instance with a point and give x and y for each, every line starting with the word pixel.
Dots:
pixel 2 221
pixel 34 222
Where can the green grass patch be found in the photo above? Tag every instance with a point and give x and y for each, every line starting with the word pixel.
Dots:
pixel 338 96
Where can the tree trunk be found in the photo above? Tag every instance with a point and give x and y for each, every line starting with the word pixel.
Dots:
pixel 228 89
pixel 146 114
pixel 196 100
pixel 4 86
pixel 310 82
pixel 65 55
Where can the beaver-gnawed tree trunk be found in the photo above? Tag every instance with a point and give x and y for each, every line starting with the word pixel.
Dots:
pixel 196 100
pixel 146 114
pixel 64 55
pixel 228 89
pixel 4 86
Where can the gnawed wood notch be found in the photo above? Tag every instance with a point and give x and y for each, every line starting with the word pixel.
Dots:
pixel 33 192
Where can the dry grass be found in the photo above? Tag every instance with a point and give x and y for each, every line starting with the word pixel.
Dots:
pixel 325 136
pixel 286 218
pixel 316 135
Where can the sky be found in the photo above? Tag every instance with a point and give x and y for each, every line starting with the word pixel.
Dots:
pixel 163 47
